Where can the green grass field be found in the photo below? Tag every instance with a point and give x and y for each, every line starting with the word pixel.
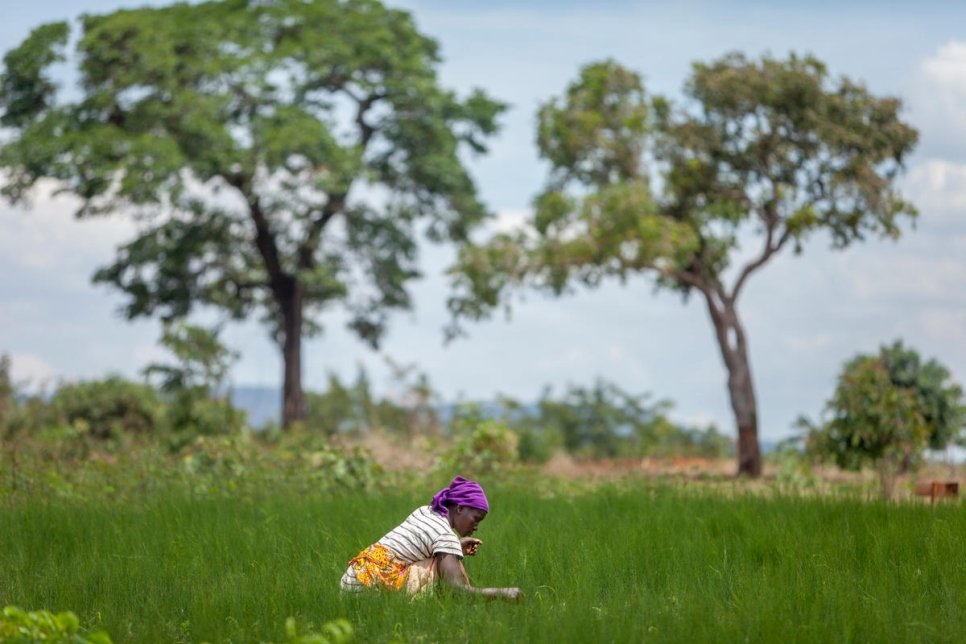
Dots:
pixel 632 563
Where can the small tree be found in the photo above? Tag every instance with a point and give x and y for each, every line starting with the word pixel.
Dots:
pixel 885 411
pixel 194 387
pixel 282 157
pixel 775 149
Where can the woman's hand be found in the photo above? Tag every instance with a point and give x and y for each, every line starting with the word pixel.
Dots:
pixel 470 546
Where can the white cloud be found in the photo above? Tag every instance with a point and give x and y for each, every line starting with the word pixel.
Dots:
pixel 31 371
pixel 938 189
pixel 46 236
pixel 509 220
pixel 938 101
pixel 947 68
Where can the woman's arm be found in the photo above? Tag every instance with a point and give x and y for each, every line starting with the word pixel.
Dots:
pixel 451 572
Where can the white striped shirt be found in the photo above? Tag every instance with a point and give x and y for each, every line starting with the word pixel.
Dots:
pixel 422 535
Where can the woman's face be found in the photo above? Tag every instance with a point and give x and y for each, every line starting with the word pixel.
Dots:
pixel 466 520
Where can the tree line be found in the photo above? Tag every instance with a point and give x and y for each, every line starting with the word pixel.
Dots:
pixel 187 397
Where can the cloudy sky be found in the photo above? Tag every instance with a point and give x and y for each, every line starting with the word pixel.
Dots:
pixel 805 315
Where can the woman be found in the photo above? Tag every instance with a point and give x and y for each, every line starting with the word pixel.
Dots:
pixel 428 546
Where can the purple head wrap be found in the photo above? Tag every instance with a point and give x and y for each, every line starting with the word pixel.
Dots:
pixel 461 492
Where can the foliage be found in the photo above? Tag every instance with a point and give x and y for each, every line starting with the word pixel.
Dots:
pixel 604 421
pixel 335 410
pixel 537 444
pixel 18 626
pixel 337 631
pixel 353 409
pixel 639 185
pixel 54 465
pixel 886 410
pixel 794 471
pixel 202 360
pixel 193 388
pixel 212 464
pixel 245 137
pixel 107 408
pixel 480 446
pixel 21 627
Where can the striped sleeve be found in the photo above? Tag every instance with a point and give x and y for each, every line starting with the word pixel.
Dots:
pixel 445 540
pixel 422 535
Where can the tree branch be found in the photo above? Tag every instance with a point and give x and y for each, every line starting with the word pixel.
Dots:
pixel 306 252
pixel 364 105
pixel 336 203
pixel 769 248
pixel 264 239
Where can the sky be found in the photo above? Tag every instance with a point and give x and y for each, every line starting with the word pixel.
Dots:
pixel 804 315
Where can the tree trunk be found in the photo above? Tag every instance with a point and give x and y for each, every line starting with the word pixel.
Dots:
pixel 741 389
pixel 289 297
pixel 291 306
pixel 888 470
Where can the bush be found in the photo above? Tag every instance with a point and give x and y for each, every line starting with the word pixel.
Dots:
pixel 194 412
pixel 480 446
pixel 215 463
pixel 337 631
pixel 538 444
pixel 20 626
pixel 107 408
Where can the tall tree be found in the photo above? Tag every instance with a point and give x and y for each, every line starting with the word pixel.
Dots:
pixel 281 156
pixel 773 149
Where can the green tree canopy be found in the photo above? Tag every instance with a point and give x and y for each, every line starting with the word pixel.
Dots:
pixel 769 149
pixel 886 410
pixel 281 157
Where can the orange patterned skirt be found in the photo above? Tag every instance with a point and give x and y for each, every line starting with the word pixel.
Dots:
pixel 379 567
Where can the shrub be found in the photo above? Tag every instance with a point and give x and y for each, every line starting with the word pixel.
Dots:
pixel 194 412
pixel 481 446
pixel 107 408
pixel 20 626
pixel 537 445
pixel 337 631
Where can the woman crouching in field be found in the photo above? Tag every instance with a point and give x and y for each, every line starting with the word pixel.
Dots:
pixel 428 547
